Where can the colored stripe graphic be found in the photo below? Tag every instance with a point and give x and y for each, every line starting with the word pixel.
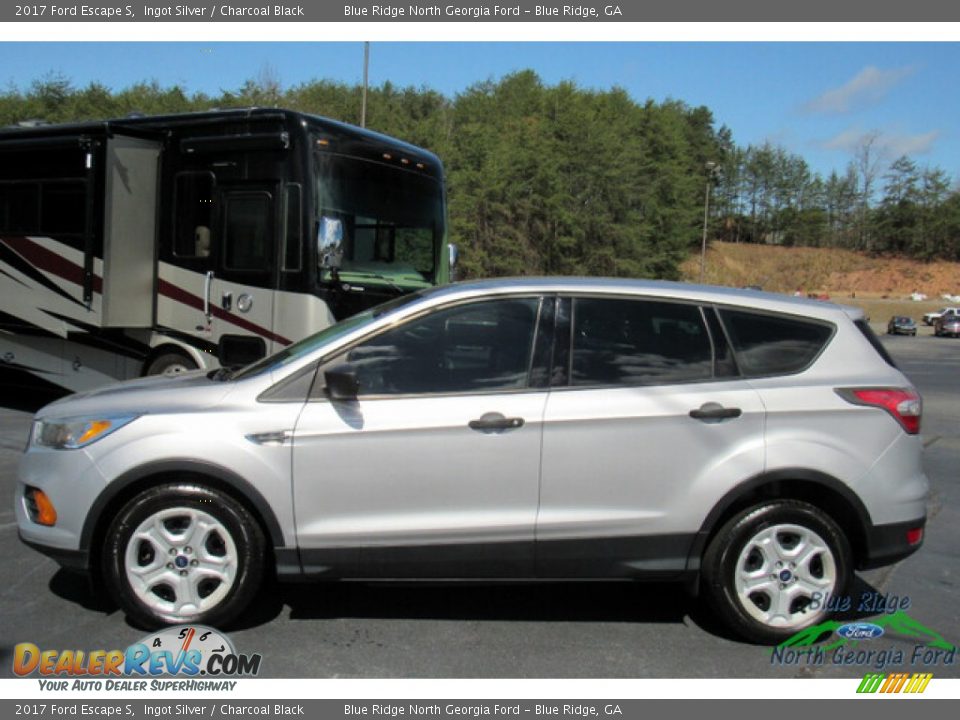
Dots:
pixel 894 683
pixel 168 289
pixel 870 683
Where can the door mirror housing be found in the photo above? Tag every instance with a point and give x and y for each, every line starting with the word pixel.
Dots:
pixel 341 383
pixel 453 257
pixel 236 351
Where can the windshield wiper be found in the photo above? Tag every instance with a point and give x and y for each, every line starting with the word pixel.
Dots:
pixel 369 273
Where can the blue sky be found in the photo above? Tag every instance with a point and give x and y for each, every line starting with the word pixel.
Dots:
pixel 815 99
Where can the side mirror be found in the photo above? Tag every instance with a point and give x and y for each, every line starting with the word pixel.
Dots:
pixel 330 243
pixel 235 351
pixel 453 256
pixel 341 383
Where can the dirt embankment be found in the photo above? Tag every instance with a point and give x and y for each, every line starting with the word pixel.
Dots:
pixel 840 273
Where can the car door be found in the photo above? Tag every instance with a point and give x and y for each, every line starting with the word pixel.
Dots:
pixel 646 424
pixel 241 291
pixel 217 271
pixel 432 468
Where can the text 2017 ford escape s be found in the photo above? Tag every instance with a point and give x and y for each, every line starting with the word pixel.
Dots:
pixel 761 447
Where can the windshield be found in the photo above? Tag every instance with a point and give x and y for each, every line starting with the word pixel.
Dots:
pixel 390 219
pixel 294 352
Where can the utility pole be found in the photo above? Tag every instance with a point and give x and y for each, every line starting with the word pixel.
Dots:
pixel 711 171
pixel 366 68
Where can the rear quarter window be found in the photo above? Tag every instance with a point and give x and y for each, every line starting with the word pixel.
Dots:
pixel 769 344
pixel 872 338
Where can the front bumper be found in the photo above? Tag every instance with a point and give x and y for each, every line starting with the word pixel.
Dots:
pixel 71 481
pixel 78 560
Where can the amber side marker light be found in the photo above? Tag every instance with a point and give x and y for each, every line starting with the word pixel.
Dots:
pixel 96 427
pixel 41 509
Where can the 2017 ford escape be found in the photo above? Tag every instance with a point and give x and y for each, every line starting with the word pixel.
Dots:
pixel 758 447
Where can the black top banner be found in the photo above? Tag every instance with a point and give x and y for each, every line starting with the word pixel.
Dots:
pixel 481 11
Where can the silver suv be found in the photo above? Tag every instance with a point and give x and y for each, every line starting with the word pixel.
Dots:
pixel 757 447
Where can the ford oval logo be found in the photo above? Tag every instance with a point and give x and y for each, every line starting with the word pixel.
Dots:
pixel 859 631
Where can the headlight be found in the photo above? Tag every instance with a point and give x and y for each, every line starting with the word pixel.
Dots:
pixel 75 433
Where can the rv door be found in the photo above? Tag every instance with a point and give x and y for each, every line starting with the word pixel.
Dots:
pixel 130 232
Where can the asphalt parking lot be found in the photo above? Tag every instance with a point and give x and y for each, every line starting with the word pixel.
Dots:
pixel 591 630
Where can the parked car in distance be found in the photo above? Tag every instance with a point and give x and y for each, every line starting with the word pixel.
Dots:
pixel 901 325
pixel 931 318
pixel 579 429
pixel 948 325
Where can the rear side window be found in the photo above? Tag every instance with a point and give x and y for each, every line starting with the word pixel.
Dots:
pixel 774 344
pixel 638 342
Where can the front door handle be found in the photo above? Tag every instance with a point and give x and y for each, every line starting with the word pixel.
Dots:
pixel 715 411
pixel 495 422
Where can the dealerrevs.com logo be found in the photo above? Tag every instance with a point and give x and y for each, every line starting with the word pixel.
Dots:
pixel 186 651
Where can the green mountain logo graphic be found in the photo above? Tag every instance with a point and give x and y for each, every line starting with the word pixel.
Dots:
pixel 898 623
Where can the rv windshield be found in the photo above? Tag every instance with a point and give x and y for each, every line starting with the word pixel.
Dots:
pixel 390 220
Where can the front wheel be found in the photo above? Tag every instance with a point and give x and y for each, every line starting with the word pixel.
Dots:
pixel 183 553
pixel 769 569
pixel 173 362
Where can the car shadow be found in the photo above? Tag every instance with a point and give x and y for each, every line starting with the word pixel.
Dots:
pixel 79 589
pixel 605 602
pixel 477 601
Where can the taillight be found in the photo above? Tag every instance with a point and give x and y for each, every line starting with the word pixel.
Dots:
pixel 904 404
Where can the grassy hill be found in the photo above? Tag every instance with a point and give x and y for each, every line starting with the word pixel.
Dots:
pixel 882 286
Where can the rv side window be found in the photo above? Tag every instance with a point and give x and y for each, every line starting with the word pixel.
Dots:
pixel 193 214
pixel 63 208
pixel 246 231
pixel 19 207
pixel 292 228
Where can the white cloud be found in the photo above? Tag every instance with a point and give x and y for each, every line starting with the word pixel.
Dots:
pixel 848 140
pixel 888 146
pixel 911 144
pixel 867 87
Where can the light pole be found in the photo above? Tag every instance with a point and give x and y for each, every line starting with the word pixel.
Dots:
pixel 366 67
pixel 711 171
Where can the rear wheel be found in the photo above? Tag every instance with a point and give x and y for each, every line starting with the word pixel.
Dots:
pixel 769 569
pixel 183 553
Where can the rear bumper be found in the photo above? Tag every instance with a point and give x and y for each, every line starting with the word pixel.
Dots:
pixel 887 544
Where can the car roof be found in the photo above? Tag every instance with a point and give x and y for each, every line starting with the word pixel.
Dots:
pixel 709 294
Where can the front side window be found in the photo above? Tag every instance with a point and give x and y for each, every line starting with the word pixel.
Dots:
pixel 193 214
pixel 638 342
pixel 476 347
pixel 246 232
pixel 390 219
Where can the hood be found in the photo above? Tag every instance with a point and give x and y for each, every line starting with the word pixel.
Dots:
pixel 157 394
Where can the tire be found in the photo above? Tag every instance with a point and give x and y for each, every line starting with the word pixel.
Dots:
pixel 170 363
pixel 183 553
pixel 764 602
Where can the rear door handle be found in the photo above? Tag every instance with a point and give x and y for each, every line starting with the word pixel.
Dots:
pixel 715 411
pixel 495 422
